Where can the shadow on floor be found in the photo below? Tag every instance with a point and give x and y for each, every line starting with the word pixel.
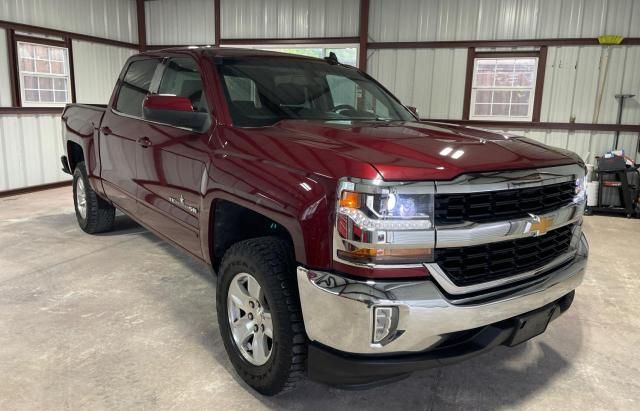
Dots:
pixel 497 379
pixel 504 377
pixel 125 225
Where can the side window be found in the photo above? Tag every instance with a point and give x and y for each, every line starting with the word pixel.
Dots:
pixel 182 78
pixel 135 86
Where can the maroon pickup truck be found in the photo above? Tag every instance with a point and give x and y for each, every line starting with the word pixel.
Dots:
pixel 353 243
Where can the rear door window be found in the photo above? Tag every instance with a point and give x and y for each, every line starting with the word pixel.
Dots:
pixel 135 86
pixel 182 78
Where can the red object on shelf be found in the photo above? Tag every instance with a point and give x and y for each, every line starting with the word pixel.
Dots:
pixel 611 184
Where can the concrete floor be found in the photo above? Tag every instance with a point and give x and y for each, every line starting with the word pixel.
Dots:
pixel 123 320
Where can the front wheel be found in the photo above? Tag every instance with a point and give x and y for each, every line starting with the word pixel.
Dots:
pixel 259 314
pixel 94 214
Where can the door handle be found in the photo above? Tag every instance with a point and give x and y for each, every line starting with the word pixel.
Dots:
pixel 105 130
pixel 144 142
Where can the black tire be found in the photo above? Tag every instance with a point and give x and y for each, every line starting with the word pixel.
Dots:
pixel 99 213
pixel 270 261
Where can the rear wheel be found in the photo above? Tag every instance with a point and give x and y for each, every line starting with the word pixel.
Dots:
pixel 259 314
pixel 94 214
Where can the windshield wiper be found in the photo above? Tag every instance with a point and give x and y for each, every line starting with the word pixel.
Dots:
pixel 377 118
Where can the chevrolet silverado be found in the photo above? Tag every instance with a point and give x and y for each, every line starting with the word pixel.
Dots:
pixel 352 242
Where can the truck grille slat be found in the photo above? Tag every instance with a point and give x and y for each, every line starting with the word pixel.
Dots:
pixel 501 205
pixel 493 261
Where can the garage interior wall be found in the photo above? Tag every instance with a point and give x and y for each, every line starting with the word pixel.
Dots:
pixel 432 78
pixel 30 144
pixel 180 22
pixel 110 19
pixel 289 19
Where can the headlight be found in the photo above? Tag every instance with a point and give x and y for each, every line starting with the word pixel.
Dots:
pixel 384 223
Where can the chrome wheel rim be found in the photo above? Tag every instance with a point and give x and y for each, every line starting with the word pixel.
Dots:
pixel 81 198
pixel 250 319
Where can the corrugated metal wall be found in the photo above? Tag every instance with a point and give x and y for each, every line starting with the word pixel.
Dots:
pixel 432 80
pixel 437 20
pixel 289 18
pixel 186 21
pixel 112 19
pixel 30 150
pixel 172 22
pixel 180 22
pixel 571 84
pixel 30 144
pixel 97 67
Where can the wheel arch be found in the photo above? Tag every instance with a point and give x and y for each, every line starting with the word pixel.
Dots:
pixel 231 220
pixel 75 154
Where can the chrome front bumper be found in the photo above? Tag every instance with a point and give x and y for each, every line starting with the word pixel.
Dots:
pixel 338 312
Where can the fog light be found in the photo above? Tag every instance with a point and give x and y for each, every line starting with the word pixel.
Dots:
pixel 385 322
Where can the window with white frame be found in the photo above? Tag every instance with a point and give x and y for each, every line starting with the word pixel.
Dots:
pixel 503 88
pixel 44 74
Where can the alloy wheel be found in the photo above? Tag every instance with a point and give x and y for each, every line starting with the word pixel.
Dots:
pixel 250 319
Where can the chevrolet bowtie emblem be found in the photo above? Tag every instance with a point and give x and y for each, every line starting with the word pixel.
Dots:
pixel 540 225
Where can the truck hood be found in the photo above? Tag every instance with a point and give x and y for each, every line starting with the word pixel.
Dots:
pixel 423 150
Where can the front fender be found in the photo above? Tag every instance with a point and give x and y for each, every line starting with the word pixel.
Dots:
pixel 295 200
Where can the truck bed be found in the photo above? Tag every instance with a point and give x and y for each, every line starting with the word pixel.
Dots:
pixel 81 119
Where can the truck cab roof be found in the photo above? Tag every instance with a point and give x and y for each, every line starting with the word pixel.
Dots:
pixel 222 52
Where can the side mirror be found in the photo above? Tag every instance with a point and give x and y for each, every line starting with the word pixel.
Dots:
pixel 413 110
pixel 174 110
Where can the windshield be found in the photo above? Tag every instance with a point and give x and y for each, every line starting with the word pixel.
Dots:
pixel 261 91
